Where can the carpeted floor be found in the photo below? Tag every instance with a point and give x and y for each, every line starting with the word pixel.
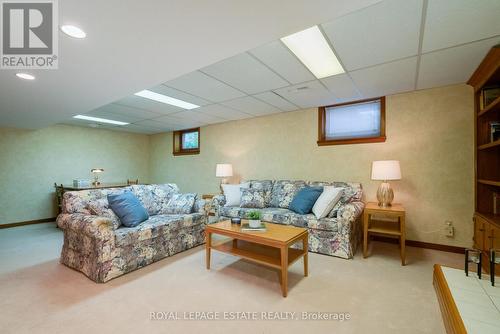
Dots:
pixel 39 295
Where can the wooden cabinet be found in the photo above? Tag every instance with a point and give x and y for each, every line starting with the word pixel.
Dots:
pixel 487 155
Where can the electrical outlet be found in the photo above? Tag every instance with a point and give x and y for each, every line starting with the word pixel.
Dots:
pixel 449 230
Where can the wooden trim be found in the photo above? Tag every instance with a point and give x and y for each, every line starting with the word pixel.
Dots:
pixel 421 244
pixel 28 222
pixel 449 311
pixel 486 69
pixel 322 141
pixel 489 145
pixel 489 182
pixel 177 143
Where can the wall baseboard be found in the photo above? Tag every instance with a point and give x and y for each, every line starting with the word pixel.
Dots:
pixel 421 244
pixel 28 222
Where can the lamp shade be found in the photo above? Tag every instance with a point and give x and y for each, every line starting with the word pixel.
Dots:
pixel 224 170
pixel 97 170
pixel 386 170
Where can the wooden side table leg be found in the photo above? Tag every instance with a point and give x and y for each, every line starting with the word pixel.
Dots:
pixel 365 233
pixel 305 246
pixel 403 240
pixel 208 244
pixel 284 270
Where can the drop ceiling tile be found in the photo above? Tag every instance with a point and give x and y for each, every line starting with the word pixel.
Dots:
pixel 138 129
pixel 251 106
pixel 453 22
pixel 386 79
pixel 202 85
pixel 276 100
pixel 155 125
pixel 245 73
pixel 126 111
pixel 177 123
pixel 219 110
pixel 282 61
pixel 149 105
pixel 453 65
pixel 307 95
pixel 196 116
pixel 342 87
pixel 380 33
pixel 114 117
pixel 165 90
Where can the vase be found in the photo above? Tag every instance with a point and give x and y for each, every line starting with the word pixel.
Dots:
pixel 254 223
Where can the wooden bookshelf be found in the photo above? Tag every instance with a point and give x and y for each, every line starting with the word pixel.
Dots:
pixel 486 156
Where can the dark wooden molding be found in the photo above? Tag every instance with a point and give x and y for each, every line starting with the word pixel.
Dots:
pixel 421 244
pixel 486 69
pixel 323 141
pixel 28 222
pixel 177 143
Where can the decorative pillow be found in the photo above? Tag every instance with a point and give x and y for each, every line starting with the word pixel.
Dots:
pixel 353 192
pixel 342 201
pixel 326 201
pixel 154 197
pixel 180 204
pixel 128 208
pixel 252 198
pixel 233 194
pixel 101 208
pixel 304 201
pixel 283 193
pixel 266 186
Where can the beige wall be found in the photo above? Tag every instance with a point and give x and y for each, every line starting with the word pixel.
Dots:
pixel 429 131
pixel 31 161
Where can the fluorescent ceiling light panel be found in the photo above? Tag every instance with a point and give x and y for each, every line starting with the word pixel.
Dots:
pixel 166 99
pixel 311 47
pixel 100 120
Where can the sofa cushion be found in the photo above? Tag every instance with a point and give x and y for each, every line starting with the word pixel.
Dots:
pixel 128 208
pixel 154 197
pixel 100 207
pixel 284 191
pixel 77 201
pixel 266 186
pixel 233 194
pixel 325 203
pixel 304 200
pixel 179 204
pixel 252 198
pixel 156 226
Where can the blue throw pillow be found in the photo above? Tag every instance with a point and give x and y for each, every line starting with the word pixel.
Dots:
pixel 128 208
pixel 304 200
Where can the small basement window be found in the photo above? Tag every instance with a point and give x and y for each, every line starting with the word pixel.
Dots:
pixel 352 123
pixel 186 142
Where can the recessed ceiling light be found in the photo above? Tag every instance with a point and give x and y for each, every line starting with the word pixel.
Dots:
pixel 73 31
pixel 25 76
pixel 99 120
pixel 166 99
pixel 311 47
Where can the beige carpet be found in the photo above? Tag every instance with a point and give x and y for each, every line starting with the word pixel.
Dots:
pixel 39 295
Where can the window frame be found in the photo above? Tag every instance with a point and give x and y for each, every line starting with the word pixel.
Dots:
pixel 322 141
pixel 177 142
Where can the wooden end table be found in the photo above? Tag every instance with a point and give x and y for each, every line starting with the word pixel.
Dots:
pixel 270 248
pixel 388 228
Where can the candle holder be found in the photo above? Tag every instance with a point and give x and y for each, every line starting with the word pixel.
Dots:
pixel 473 256
pixel 494 259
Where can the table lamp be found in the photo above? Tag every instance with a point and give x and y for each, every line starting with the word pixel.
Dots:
pixel 223 171
pixel 384 171
pixel 96 172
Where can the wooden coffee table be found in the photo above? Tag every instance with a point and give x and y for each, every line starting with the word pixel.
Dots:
pixel 270 248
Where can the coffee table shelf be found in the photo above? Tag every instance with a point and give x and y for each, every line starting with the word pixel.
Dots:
pixel 269 256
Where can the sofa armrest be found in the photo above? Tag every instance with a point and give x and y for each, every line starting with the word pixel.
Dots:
pixel 351 211
pixel 202 206
pixel 90 225
pixel 218 201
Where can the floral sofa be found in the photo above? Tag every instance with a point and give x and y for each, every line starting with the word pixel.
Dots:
pixel 337 235
pixel 100 249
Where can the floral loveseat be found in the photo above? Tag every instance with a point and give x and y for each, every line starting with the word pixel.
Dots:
pixel 337 235
pixel 97 247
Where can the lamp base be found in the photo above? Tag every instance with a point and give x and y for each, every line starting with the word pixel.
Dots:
pixel 385 195
pixel 222 181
